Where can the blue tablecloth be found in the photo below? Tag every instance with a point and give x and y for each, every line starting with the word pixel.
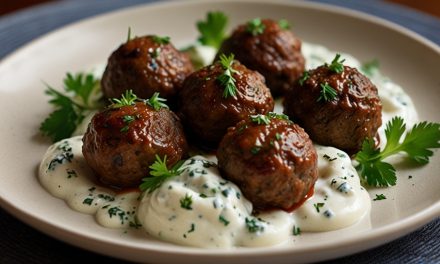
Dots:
pixel 22 244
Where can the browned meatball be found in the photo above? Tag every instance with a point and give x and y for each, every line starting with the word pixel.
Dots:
pixel 207 109
pixel 274 164
pixel 273 51
pixel 146 65
pixel 121 143
pixel 337 108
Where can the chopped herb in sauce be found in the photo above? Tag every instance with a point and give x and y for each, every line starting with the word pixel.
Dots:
pixel 296 231
pixel 223 220
pixel 253 225
pixel 318 206
pixel 186 202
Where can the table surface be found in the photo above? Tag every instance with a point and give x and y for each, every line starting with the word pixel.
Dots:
pixel 20 243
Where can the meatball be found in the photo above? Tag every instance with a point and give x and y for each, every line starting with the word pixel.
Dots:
pixel 121 143
pixel 336 105
pixel 271 49
pixel 146 65
pixel 208 106
pixel 274 163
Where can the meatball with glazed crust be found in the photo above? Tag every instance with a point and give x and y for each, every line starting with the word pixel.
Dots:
pixel 337 106
pixel 218 96
pixel 270 48
pixel 271 159
pixel 122 141
pixel 146 65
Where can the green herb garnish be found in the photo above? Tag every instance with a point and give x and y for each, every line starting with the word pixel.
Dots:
pixel 212 30
pixel 379 197
pixel 223 220
pixel 255 26
pixel 368 68
pixel 70 108
pixel 336 65
pixel 260 119
pixel 226 79
pixel 159 172
pixel 318 206
pixel 327 93
pixel 417 144
pixel 161 40
pixel 186 202
pixel 129 34
pixel 304 78
pixel 127 99
pixel 254 225
pixel 296 231
pixel 284 24
pixel 156 102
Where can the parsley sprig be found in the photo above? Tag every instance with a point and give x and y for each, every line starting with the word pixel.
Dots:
pixel 161 40
pixel 284 24
pixel 159 172
pixel 255 27
pixel 81 97
pixel 265 119
pixel 337 65
pixel 226 79
pixel 212 30
pixel 417 144
pixel 127 99
pixel 327 93
pixel 156 102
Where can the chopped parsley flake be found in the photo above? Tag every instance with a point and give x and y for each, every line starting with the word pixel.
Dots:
pixel 318 206
pixel 255 27
pixel 296 231
pixel 186 202
pixel 223 220
pixel 88 201
pixel 161 40
pixel 379 197
pixel 304 78
pixel 254 225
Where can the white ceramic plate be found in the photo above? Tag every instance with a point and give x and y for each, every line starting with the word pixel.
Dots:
pixel 405 57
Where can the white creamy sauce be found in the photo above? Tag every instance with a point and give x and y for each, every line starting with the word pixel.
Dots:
pixel 199 208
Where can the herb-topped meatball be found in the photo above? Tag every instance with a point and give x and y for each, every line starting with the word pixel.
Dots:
pixel 220 95
pixel 336 105
pixel 146 65
pixel 123 140
pixel 271 159
pixel 270 48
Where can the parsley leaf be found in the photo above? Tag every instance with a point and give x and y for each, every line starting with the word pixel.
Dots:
pixel 327 93
pixel 157 102
pixel 70 108
pixel 417 144
pixel 226 79
pixel 159 172
pixel 255 26
pixel 186 202
pixel 212 30
pixel 284 24
pixel 368 68
pixel 161 40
